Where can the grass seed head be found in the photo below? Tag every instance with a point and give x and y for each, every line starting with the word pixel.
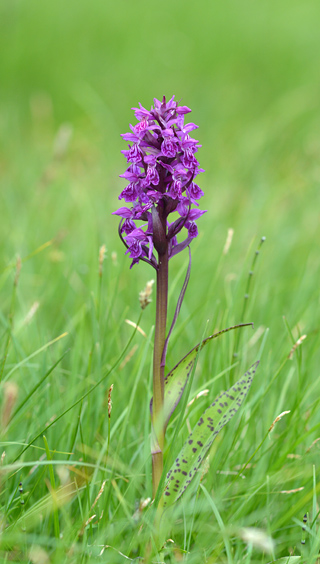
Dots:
pixel 102 256
pixel 32 311
pixel 128 357
pixel 312 445
pixel 100 492
pixel 18 269
pixel 133 324
pixel 277 419
pixel 9 400
pixel 296 345
pixel 62 141
pixel 145 295
pixel 228 242
pixel 110 401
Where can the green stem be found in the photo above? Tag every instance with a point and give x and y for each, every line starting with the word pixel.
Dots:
pixel 158 370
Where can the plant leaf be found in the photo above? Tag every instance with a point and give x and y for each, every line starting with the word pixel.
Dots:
pixel 200 440
pixel 176 313
pixel 286 560
pixel 176 381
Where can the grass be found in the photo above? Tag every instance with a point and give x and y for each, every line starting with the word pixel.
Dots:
pixel 70 74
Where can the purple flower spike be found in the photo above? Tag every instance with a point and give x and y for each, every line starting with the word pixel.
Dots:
pixel 160 181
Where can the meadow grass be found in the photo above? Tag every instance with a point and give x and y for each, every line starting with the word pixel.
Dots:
pixel 70 74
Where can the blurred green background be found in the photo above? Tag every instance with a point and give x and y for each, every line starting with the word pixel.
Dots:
pixel 70 72
pixel 250 71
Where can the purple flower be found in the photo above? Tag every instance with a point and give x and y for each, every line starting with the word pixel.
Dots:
pixel 195 192
pixel 161 173
pixel 128 226
pixel 152 176
pixel 175 190
pixel 130 193
pixel 135 249
pixel 192 229
pixel 133 155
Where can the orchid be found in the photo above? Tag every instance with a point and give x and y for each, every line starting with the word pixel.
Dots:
pixel 159 222
pixel 161 174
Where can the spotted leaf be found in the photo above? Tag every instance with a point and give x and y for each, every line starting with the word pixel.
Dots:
pixel 200 440
pixel 176 381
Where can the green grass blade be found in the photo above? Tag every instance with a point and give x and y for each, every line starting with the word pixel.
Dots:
pixel 287 560
pixel 53 488
pixel 82 397
pixel 35 353
pixel 220 523
pixel 38 384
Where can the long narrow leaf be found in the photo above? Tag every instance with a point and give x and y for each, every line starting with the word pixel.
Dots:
pixel 287 560
pixel 38 384
pixel 176 313
pixel 176 381
pixel 200 440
